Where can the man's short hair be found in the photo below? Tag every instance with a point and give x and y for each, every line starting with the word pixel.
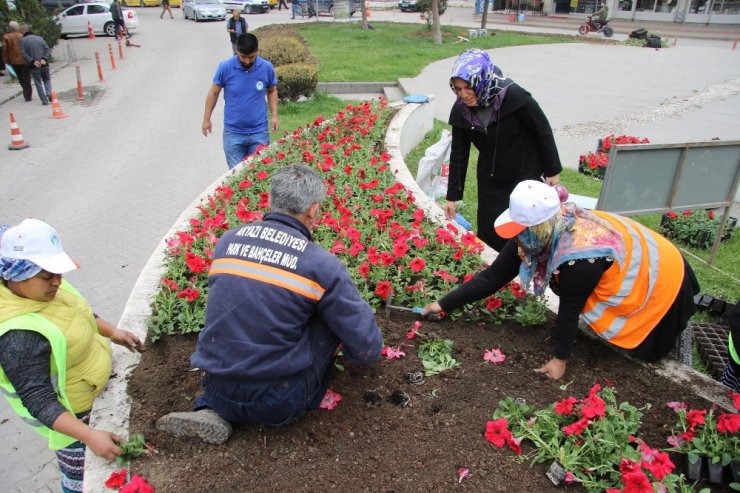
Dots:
pixel 246 44
pixel 295 188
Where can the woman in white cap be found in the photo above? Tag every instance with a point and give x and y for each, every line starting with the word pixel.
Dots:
pixel 628 283
pixel 54 355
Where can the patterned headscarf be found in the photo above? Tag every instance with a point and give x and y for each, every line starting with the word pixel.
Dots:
pixel 475 67
pixel 16 269
pixel 545 247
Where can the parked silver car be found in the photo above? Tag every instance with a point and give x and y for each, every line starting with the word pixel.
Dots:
pixel 248 6
pixel 202 10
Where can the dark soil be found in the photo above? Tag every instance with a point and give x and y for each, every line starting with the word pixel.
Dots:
pixel 371 442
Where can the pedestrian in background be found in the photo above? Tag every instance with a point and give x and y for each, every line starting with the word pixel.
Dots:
pixel 731 375
pixel 12 56
pixel 166 8
pixel 510 131
pixel 297 10
pixel 282 4
pixel 236 26
pixel 247 80
pixel 116 13
pixel 37 53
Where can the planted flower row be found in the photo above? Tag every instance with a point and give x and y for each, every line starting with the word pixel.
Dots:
pixel 593 441
pixel 595 163
pixel 368 220
pixel 695 228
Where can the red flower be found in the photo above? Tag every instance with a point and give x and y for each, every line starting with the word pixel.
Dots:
pixel 565 407
pixel 593 406
pixel 627 466
pixel 497 432
pixel 137 485
pixel 330 401
pixel 195 263
pixel 245 184
pixel 417 265
pixel 514 444
pixel 672 215
pixel 711 215
pixel 383 289
pixel 400 248
pixel 170 284
pixel 364 270
pixel 190 294
pixel 695 417
pixel 577 427
pixel 263 175
pixel 116 479
pixel 728 423
pixel 493 303
pixel 636 482
pixel 445 276
pixel 735 399
pixel 686 213
pixel 414 330
pixel 661 466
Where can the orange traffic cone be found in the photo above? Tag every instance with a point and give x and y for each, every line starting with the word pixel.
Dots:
pixel 16 138
pixel 90 33
pixel 56 108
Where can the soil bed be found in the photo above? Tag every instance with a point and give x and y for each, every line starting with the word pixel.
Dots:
pixel 371 444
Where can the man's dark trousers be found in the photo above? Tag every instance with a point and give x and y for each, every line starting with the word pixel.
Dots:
pixel 275 401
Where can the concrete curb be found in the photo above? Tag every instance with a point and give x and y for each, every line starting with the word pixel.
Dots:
pixel 112 409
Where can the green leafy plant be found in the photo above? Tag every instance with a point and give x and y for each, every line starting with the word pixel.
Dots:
pixel 133 448
pixel 698 433
pixel 694 228
pixel 592 438
pixel 436 356
pixel 532 312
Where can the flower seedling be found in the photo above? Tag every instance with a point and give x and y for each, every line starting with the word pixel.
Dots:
pixel 436 356
pixel 135 447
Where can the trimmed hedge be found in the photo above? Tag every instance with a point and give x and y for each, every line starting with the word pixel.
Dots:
pixel 296 80
pixel 282 50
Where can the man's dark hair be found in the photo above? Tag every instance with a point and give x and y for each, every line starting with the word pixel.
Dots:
pixel 246 43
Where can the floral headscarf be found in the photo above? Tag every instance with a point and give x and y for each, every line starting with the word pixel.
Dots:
pixel 16 269
pixel 475 67
pixel 543 250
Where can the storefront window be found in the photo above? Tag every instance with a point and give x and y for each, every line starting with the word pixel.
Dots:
pixel 665 5
pixel 726 7
pixel 646 5
pixel 625 5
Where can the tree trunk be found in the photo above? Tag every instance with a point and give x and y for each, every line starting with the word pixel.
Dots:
pixel 435 23
pixel 364 25
pixel 484 17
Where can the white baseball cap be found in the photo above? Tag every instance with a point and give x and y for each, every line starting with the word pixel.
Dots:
pixel 531 203
pixel 38 242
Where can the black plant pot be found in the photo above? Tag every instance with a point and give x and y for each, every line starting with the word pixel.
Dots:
pixel 714 471
pixel 735 470
pixel 694 469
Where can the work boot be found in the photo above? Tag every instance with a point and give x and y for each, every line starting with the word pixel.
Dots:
pixel 204 424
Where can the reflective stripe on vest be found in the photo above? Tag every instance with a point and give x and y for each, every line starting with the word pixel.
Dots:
pixel 270 275
pixel 632 298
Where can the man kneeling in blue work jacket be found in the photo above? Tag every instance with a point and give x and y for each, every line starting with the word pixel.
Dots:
pixel 278 307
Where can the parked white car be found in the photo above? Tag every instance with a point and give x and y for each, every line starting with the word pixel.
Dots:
pixel 248 6
pixel 73 20
pixel 201 10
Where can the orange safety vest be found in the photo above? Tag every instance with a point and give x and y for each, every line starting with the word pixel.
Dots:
pixel 632 298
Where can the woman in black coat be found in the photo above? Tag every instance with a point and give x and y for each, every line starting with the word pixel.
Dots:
pixel 491 109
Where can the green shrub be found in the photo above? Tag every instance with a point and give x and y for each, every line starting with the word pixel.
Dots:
pixel 296 80
pixel 282 50
pixel 32 13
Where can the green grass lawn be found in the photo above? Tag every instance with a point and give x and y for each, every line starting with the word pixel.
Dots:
pixel 346 53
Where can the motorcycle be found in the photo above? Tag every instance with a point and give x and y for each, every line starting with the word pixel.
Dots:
pixel 592 25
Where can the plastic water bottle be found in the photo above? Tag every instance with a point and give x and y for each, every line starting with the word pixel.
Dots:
pixel 463 222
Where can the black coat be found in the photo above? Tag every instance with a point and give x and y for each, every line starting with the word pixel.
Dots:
pixel 230 24
pixel 527 151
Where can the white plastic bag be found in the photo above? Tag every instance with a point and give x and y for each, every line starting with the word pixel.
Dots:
pixel 430 176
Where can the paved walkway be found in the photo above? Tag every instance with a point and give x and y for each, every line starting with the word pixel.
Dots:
pixel 114 190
